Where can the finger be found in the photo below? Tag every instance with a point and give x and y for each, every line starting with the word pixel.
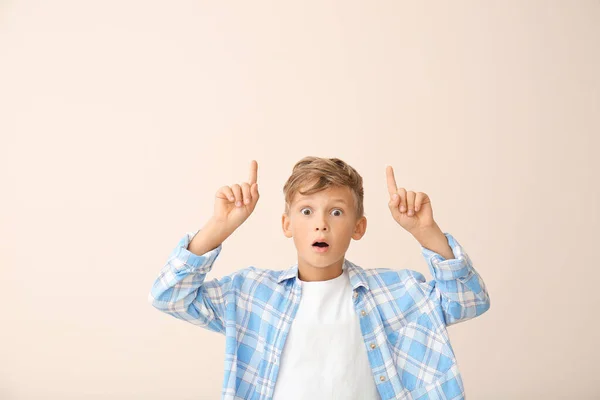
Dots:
pixel 419 200
pixel 254 191
pixel 253 172
pixel 226 191
pixel 246 193
pixel 237 192
pixel 402 194
pixel 410 203
pixel 391 180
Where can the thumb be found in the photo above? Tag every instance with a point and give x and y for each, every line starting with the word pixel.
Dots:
pixel 394 201
pixel 393 204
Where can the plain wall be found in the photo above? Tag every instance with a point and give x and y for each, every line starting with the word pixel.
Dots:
pixel 119 120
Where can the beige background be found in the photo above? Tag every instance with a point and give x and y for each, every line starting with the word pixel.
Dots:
pixel 120 120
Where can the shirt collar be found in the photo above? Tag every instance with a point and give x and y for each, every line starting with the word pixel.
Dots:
pixel 357 275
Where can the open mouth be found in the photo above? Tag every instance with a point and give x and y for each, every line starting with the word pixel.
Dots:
pixel 320 247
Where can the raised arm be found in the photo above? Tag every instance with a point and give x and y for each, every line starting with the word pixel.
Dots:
pixel 456 286
pixel 181 289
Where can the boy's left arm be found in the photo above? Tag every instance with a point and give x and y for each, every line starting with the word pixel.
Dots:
pixel 457 286
pixel 462 292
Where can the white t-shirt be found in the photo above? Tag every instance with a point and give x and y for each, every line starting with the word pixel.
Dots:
pixel 324 356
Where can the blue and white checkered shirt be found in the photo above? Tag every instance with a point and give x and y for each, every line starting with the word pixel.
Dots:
pixel 403 318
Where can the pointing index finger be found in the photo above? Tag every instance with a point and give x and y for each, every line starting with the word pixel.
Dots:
pixel 391 181
pixel 253 172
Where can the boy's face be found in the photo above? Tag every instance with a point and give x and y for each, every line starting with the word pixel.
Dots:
pixel 329 216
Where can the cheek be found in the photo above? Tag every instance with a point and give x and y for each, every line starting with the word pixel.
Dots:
pixel 301 241
pixel 299 230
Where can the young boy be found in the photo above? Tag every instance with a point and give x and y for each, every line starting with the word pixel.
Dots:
pixel 325 328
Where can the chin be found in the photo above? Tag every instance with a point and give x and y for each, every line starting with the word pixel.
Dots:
pixel 324 262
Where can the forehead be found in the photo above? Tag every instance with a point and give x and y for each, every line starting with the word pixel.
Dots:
pixel 332 194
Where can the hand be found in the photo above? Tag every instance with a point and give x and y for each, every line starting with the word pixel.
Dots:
pixel 234 204
pixel 419 203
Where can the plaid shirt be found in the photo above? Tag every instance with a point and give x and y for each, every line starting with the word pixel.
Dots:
pixel 403 318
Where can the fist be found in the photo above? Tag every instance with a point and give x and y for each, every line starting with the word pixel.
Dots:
pixel 235 203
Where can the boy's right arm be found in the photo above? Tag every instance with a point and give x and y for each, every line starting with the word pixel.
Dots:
pixel 180 289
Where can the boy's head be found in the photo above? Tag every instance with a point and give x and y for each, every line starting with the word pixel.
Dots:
pixel 324 202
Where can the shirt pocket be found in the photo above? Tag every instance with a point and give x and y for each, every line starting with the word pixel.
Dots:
pixel 421 355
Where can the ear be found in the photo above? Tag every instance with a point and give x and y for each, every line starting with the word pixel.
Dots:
pixel 360 228
pixel 285 225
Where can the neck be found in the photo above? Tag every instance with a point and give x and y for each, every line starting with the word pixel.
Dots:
pixel 310 273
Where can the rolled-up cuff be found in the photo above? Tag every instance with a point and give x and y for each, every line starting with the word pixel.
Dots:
pixel 446 270
pixel 184 259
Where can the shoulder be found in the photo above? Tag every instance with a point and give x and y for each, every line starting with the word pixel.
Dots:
pixel 252 279
pixel 261 274
pixel 386 276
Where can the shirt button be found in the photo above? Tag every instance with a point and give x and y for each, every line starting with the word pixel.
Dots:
pixel 355 295
pixel 382 378
pixel 373 345
pixel 363 313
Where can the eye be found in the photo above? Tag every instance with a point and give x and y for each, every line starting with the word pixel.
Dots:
pixel 340 212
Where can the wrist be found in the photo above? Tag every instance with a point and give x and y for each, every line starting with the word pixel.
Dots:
pixel 424 233
pixel 209 237
pixel 217 229
pixel 433 238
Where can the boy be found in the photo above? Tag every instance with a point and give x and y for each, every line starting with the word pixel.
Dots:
pixel 326 328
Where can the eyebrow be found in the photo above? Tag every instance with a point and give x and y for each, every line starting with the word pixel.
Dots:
pixel 339 201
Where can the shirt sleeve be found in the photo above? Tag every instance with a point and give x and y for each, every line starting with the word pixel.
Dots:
pixel 182 291
pixel 456 285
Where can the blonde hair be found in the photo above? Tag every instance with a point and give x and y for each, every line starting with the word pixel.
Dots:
pixel 328 172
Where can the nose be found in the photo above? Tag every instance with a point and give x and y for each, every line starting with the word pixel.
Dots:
pixel 321 224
